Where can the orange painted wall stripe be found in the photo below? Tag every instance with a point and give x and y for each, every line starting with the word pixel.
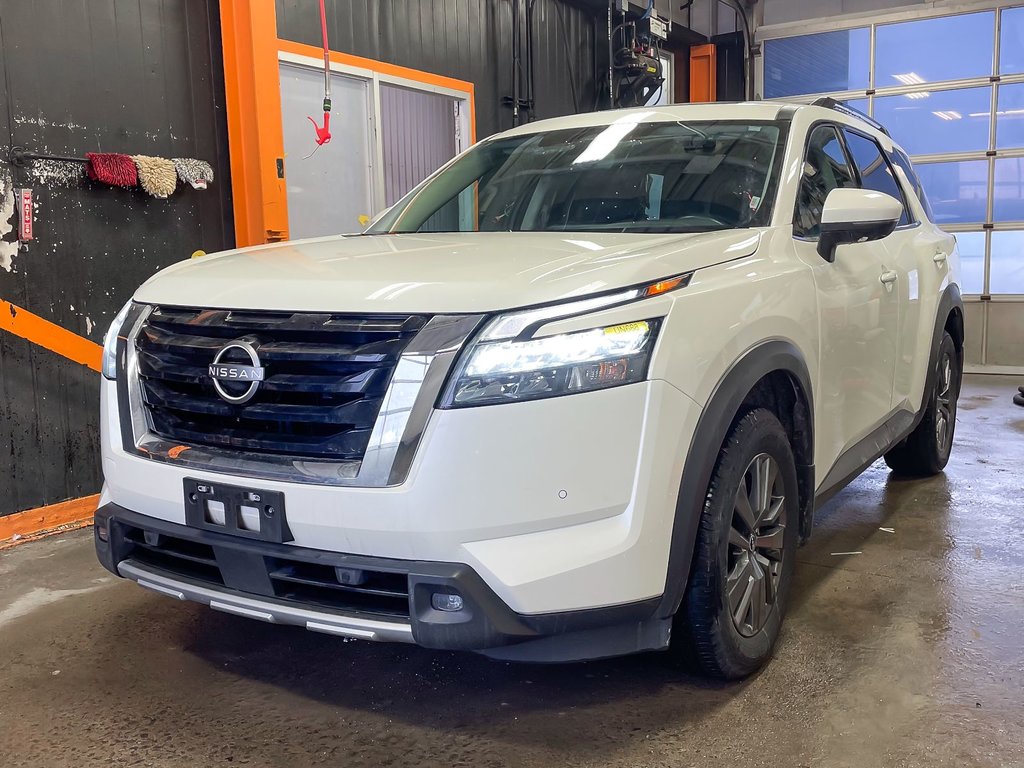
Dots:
pixel 61 341
pixel 383 68
pixel 35 521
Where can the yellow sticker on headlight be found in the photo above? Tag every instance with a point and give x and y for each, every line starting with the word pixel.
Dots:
pixel 640 326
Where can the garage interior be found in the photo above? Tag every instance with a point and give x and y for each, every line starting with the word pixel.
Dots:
pixel 902 642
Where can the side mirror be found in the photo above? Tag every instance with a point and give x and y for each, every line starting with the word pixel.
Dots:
pixel 856 216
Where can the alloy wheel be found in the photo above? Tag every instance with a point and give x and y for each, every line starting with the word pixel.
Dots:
pixel 944 403
pixel 756 550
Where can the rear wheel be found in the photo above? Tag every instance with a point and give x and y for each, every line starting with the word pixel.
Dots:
pixel 926 450
pixel 743 562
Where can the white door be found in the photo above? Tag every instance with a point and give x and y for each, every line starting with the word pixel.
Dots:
pixel 329 188
pixel 418 131
pixel 858 312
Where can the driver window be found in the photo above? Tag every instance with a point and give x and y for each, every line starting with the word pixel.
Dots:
pixel 825 168
pixel 875 172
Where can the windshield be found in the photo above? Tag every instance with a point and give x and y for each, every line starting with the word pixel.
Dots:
pixel 625 177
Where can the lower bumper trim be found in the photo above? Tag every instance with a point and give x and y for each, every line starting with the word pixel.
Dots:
pixel 233 574
pixel 264 610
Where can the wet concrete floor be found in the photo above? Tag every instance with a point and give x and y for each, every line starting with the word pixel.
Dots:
pixel 908 654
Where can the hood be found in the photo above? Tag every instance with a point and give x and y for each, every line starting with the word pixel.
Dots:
pixel 436 273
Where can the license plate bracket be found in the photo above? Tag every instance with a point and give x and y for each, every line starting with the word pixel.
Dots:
pixel 251 512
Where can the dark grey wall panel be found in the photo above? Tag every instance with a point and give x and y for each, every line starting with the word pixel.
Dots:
pixel 466 39
pixel 141 77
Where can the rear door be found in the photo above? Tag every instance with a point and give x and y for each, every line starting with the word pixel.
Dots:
pixel 924 266
pixel 858 313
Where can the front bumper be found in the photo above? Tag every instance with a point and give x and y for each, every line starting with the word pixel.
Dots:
pixel 285 584
pixel 558 505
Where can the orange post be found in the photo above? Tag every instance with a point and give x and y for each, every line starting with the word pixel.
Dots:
pixel 255 136
pixel 703 74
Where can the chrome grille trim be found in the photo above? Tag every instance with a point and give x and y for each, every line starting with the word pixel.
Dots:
pixel 406 406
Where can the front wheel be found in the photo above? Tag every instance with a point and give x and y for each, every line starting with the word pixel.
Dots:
pixel 926 450
pixel 746 544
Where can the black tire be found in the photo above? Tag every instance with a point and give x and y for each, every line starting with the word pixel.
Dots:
pixel 724 565
pixel 926 450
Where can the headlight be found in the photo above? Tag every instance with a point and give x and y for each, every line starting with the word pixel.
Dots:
pixel 506 364
pixel 511 370
pixel 110 343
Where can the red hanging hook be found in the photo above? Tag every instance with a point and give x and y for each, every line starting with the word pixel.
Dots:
pixel 323 134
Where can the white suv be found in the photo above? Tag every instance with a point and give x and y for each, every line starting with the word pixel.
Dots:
pixel 578 394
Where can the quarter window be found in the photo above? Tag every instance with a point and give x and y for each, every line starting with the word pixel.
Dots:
pixel 875 172
pixel 825 168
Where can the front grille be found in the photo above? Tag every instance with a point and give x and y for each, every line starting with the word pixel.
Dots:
pixel 373 592
pixel 326 375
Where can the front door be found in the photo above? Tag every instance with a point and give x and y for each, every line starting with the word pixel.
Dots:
pixel 858 310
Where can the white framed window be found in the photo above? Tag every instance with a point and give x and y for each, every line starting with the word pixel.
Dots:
pixel 388 134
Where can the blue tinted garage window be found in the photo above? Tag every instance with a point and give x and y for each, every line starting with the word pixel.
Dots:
pixel 934 122
pixel 1006 272
pixel 1011 42
pixel 972 261
pixel 958 191
pixel 1008 190
pixel 829 61
pixel 932 50
pixel 1010 117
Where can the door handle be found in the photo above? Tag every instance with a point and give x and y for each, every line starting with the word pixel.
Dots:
pixel 940 257
pixel 887 278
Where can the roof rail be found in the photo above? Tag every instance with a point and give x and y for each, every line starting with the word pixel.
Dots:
pixel 829 103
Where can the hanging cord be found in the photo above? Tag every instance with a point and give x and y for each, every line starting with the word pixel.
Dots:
pixel 323 134
pixel 748 54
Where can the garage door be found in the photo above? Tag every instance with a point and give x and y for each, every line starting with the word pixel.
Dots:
pixel 950 89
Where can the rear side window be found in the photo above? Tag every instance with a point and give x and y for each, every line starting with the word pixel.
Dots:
pixel 900 159
pixel 875 172
pixel 825 168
